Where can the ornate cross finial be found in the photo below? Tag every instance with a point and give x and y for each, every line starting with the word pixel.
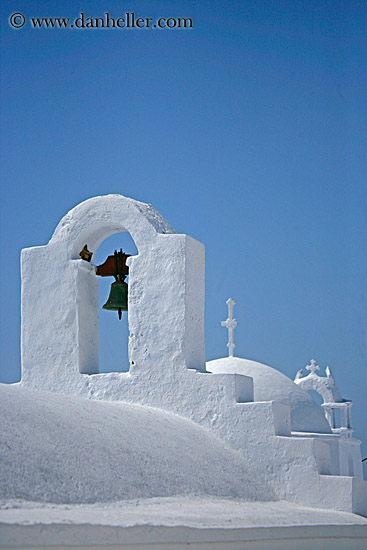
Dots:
pixel 230 324
pixel 313 367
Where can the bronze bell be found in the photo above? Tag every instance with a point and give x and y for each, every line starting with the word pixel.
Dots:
pixel 117 300
pixel 116 265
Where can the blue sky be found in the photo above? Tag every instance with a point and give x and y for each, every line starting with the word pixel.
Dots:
pixel 247 132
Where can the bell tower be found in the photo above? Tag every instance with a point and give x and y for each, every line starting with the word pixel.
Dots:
pixel 60 336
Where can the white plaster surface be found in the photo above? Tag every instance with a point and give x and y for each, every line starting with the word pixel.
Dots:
pixel 169 511
pixel 177 523
pixel 65 449
pixel 272 385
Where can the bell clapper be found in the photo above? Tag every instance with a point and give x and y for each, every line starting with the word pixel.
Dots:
pixel 120 278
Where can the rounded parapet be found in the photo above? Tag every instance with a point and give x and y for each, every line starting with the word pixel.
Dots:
pixel 97 218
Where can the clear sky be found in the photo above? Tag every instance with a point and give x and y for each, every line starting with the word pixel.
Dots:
pixel 247 131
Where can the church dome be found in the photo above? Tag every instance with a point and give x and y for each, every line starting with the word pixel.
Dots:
pixel 272 385
pixel 66 449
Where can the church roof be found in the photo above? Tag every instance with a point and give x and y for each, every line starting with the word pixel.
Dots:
pixel 66 449
pixel 272 385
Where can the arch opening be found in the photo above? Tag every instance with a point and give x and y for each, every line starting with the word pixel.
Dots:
pixel 113 333
pixel 316 396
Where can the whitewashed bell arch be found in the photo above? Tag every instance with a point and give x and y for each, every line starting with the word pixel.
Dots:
pixel 60 293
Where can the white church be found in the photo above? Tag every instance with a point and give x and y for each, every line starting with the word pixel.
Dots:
pixel 176 452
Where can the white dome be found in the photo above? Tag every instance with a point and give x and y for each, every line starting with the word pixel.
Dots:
pixel 272 385
pixel 65 449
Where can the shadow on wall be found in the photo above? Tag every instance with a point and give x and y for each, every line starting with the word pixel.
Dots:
pixel 113 334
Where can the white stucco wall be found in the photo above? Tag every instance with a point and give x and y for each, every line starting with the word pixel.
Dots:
pixel 181 523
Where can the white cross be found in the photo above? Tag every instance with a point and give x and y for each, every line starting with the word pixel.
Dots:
pixel 230 324
pixel 313 367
